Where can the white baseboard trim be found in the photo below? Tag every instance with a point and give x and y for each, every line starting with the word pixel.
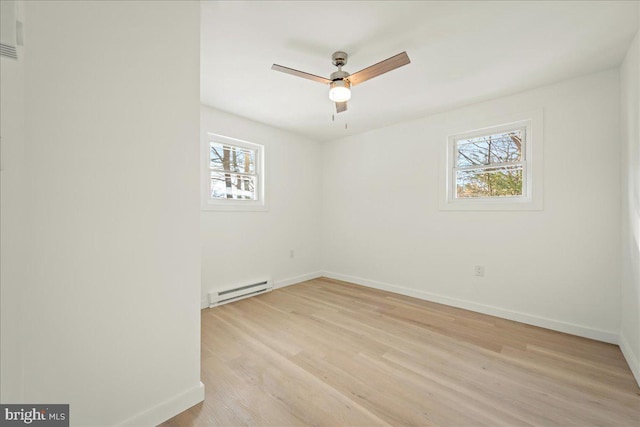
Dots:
pixel 204 302
pixel 631 357
pixel 298 279
pixel 167 409
pixel 530 319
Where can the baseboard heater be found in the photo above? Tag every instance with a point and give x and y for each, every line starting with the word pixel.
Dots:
pixel 223 296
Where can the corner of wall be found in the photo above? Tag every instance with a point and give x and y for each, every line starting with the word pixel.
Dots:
pixel 631 357
pixel 629 340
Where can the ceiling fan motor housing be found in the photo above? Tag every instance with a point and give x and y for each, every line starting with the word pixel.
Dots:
pixel 339 58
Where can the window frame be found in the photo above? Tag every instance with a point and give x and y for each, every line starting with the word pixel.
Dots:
pixel 211 204
pixel 531 198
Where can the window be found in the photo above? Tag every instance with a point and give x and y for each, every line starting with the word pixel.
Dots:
pixel 234 174
pixel 490 165
pixel 492 168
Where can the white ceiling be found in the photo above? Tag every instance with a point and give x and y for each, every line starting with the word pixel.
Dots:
pixel 461 53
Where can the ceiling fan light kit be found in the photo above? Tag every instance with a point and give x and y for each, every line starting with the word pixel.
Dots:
pixel 340 91
pixel 340 82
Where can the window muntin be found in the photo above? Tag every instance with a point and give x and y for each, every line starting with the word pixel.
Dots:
pixel 490 165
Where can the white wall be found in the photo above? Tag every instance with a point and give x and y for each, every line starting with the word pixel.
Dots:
pixel 111 316
pixel 238 247
pixel 557 267
pixel 630 114
pixel 12 226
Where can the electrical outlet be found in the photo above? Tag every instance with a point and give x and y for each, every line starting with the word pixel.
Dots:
pixel 478 270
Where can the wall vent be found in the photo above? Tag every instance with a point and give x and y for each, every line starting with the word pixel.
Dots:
pixel 8 51
pixel 223 296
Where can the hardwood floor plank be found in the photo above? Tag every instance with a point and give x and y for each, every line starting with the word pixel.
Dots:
pixel 331 353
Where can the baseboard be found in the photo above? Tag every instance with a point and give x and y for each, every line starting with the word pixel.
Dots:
pixel 530 319
pixel 298 279
pixel 204 302
pixel 167 409
pixel 631 357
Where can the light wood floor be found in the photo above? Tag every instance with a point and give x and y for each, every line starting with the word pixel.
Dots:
pixel 330 353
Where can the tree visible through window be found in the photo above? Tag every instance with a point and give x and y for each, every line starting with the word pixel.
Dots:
pixel 233 171
pixel 490 165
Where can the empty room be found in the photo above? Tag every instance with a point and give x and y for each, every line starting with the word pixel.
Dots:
pixel 320 213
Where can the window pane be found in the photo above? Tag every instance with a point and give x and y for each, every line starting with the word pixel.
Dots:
pixel 233 186
pixel 231 158
pixel 489 149
pixel 489 182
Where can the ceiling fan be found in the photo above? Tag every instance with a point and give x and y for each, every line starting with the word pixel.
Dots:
pixel 340 82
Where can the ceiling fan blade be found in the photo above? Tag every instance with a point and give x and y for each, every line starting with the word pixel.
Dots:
pixel 300 74
pixel 382 67
pixel 341 106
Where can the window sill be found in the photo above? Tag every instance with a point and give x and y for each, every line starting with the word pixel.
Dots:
pixel 523 204
pixel 234 207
